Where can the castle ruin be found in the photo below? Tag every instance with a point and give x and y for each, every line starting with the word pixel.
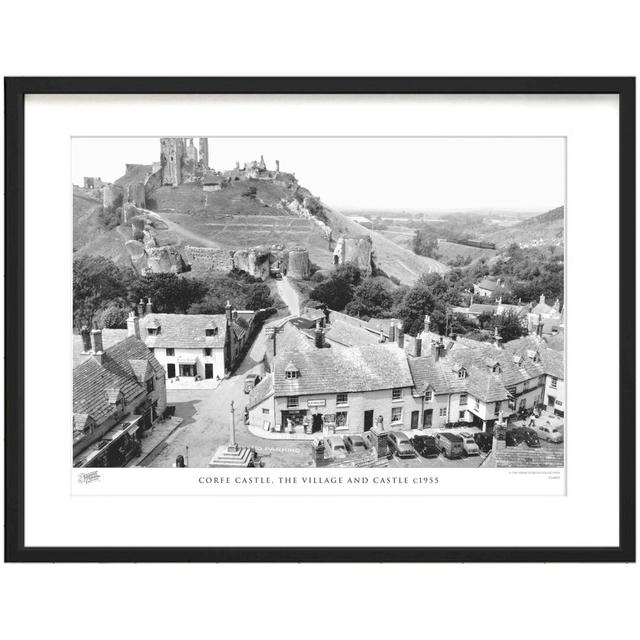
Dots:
pixel 357 250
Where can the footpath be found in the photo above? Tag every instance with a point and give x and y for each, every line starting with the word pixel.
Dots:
pixel 154 441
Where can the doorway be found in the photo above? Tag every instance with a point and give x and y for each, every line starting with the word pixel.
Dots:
pixel 427 419
pixel 368 419
pixel 208 370
pixel 171 370
pixel 415 416
pixel 317 423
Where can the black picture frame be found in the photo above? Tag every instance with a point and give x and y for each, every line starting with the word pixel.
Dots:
pixel 15 91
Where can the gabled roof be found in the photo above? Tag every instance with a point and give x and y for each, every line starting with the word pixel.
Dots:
pixel 184 331
pixel 94 382
pixel 356 369
pixel 109 338
pixel 489 284
pixel 262 390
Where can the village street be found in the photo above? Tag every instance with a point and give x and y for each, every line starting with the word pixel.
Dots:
pixel 206 418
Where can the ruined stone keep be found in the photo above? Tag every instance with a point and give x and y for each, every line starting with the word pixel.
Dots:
pixel 357 250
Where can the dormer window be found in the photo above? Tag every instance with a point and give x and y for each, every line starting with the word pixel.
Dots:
pixel 460 370
pixel 291 372
pixel 153 328
pixel 211 331
pixel 493 365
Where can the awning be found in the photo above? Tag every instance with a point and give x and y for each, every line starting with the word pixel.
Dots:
pixel 186 359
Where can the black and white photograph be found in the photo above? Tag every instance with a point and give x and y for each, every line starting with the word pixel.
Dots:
pixel 319 302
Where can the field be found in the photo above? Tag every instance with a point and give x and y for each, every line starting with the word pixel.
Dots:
pixel 449 251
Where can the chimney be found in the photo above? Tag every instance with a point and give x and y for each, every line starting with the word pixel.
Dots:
pixel 319 336
pixel 86 339
pixel 149 306
pixel 392 332
pixel 542 298
pixel 278 166
pixel 400 336
pixel 271 349
pixel 437 349
pixel 540 326
pixel 427 323
pixel 96 341
pixel 141 308
pixel 133 325
pixel 418 347
pixel 227 311
pixel 497 338
pixel 556 304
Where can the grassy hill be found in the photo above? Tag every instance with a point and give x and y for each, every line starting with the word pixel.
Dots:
pixel 250 213
pixel 545 229
pixel 86 226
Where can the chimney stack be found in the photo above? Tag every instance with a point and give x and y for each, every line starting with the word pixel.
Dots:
pixel 392 332
pixel 418 347
pixel 542 298
pixel 540 326
pixel 133 325
pixel 436 350
pixel 227 311
pixel 400 336
pixel 96 341
pixel 427 323
pixel 86 339
pixel 149 306
pixel 319 336
pixel 278 166
pixel 141 308
pixel 497 338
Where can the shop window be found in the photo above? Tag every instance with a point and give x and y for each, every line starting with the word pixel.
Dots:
pixel 188 370
pixel 396 414
pixel 396 394
pixel 341 419
pixel 342 398
pixel 292 402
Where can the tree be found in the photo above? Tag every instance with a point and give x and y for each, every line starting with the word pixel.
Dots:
pixel 509 326
pixel 169 292
pixel 370 299
pixel 334 292
pixel 259 297
pixel 97 281
pixel 415 305
pixel 114 317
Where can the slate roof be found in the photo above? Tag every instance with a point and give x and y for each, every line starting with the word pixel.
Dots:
pixel 184 331
pixel 483 308
pixel 342 370
pixel 109 338
pixel 489 284
pixel 349 335
pixel 523 456
pixel 551 360
pixel 262 390
pixel 93 383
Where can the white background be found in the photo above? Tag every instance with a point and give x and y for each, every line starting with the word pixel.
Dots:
pixel 468 38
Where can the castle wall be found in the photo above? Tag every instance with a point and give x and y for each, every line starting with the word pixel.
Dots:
pixel 172 152
pixel 135 194
pixel 207 258
pixel 298 266
pixel 355 250
pixel 112 197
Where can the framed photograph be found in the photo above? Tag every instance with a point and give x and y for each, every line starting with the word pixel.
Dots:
pixel 393 318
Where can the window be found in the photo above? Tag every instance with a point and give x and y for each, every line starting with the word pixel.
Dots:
pixel 342 398
pixel 151 349
pixel 396 414
pixel 188 370
pixel 341 419
pixel 171 352
pixel 461 415
pixel 477 405
pixel 152 331
pixel 265 412
pixel 525 386
pixel 554 383
pixel 428 396
pixel 149 385
pixel 292 374
pixel 462 373
pixel 210 332
pixel 497 408
pixel 512 404
pixel 443 412
pixel 396 394
pixel 292 401
pixel 463 399
pixel 207 352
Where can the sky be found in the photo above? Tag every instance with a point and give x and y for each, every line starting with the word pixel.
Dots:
pixel 393 174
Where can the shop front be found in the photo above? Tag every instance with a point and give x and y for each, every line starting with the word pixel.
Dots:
pixel 293 419
pixel 116 447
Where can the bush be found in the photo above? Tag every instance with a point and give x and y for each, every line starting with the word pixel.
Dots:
pixel 114 318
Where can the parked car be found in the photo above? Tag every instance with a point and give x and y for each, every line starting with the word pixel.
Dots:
pixel 355 444
pixel 400 445
pixel 551 430
pixel 250 381
pixel 425 446
pixel 450 445
pixel 529 436
pixel 336 447
pixel 369 439
pixel 469 444
pixel 484 441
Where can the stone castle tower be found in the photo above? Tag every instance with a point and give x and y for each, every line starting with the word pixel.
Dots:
pixel 172 156
pixel 203 143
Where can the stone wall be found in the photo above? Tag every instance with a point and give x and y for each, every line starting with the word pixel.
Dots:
pixel 207 258
pixel 298 265
pixel 255 262
pixel 135 194
pixel 112 197
pixel 357 250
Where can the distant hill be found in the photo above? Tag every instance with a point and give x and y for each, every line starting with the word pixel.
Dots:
pixel 248 213
pixel 542 230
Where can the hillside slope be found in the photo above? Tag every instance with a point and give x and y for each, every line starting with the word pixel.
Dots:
pixel 545 229
pixel 248 213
